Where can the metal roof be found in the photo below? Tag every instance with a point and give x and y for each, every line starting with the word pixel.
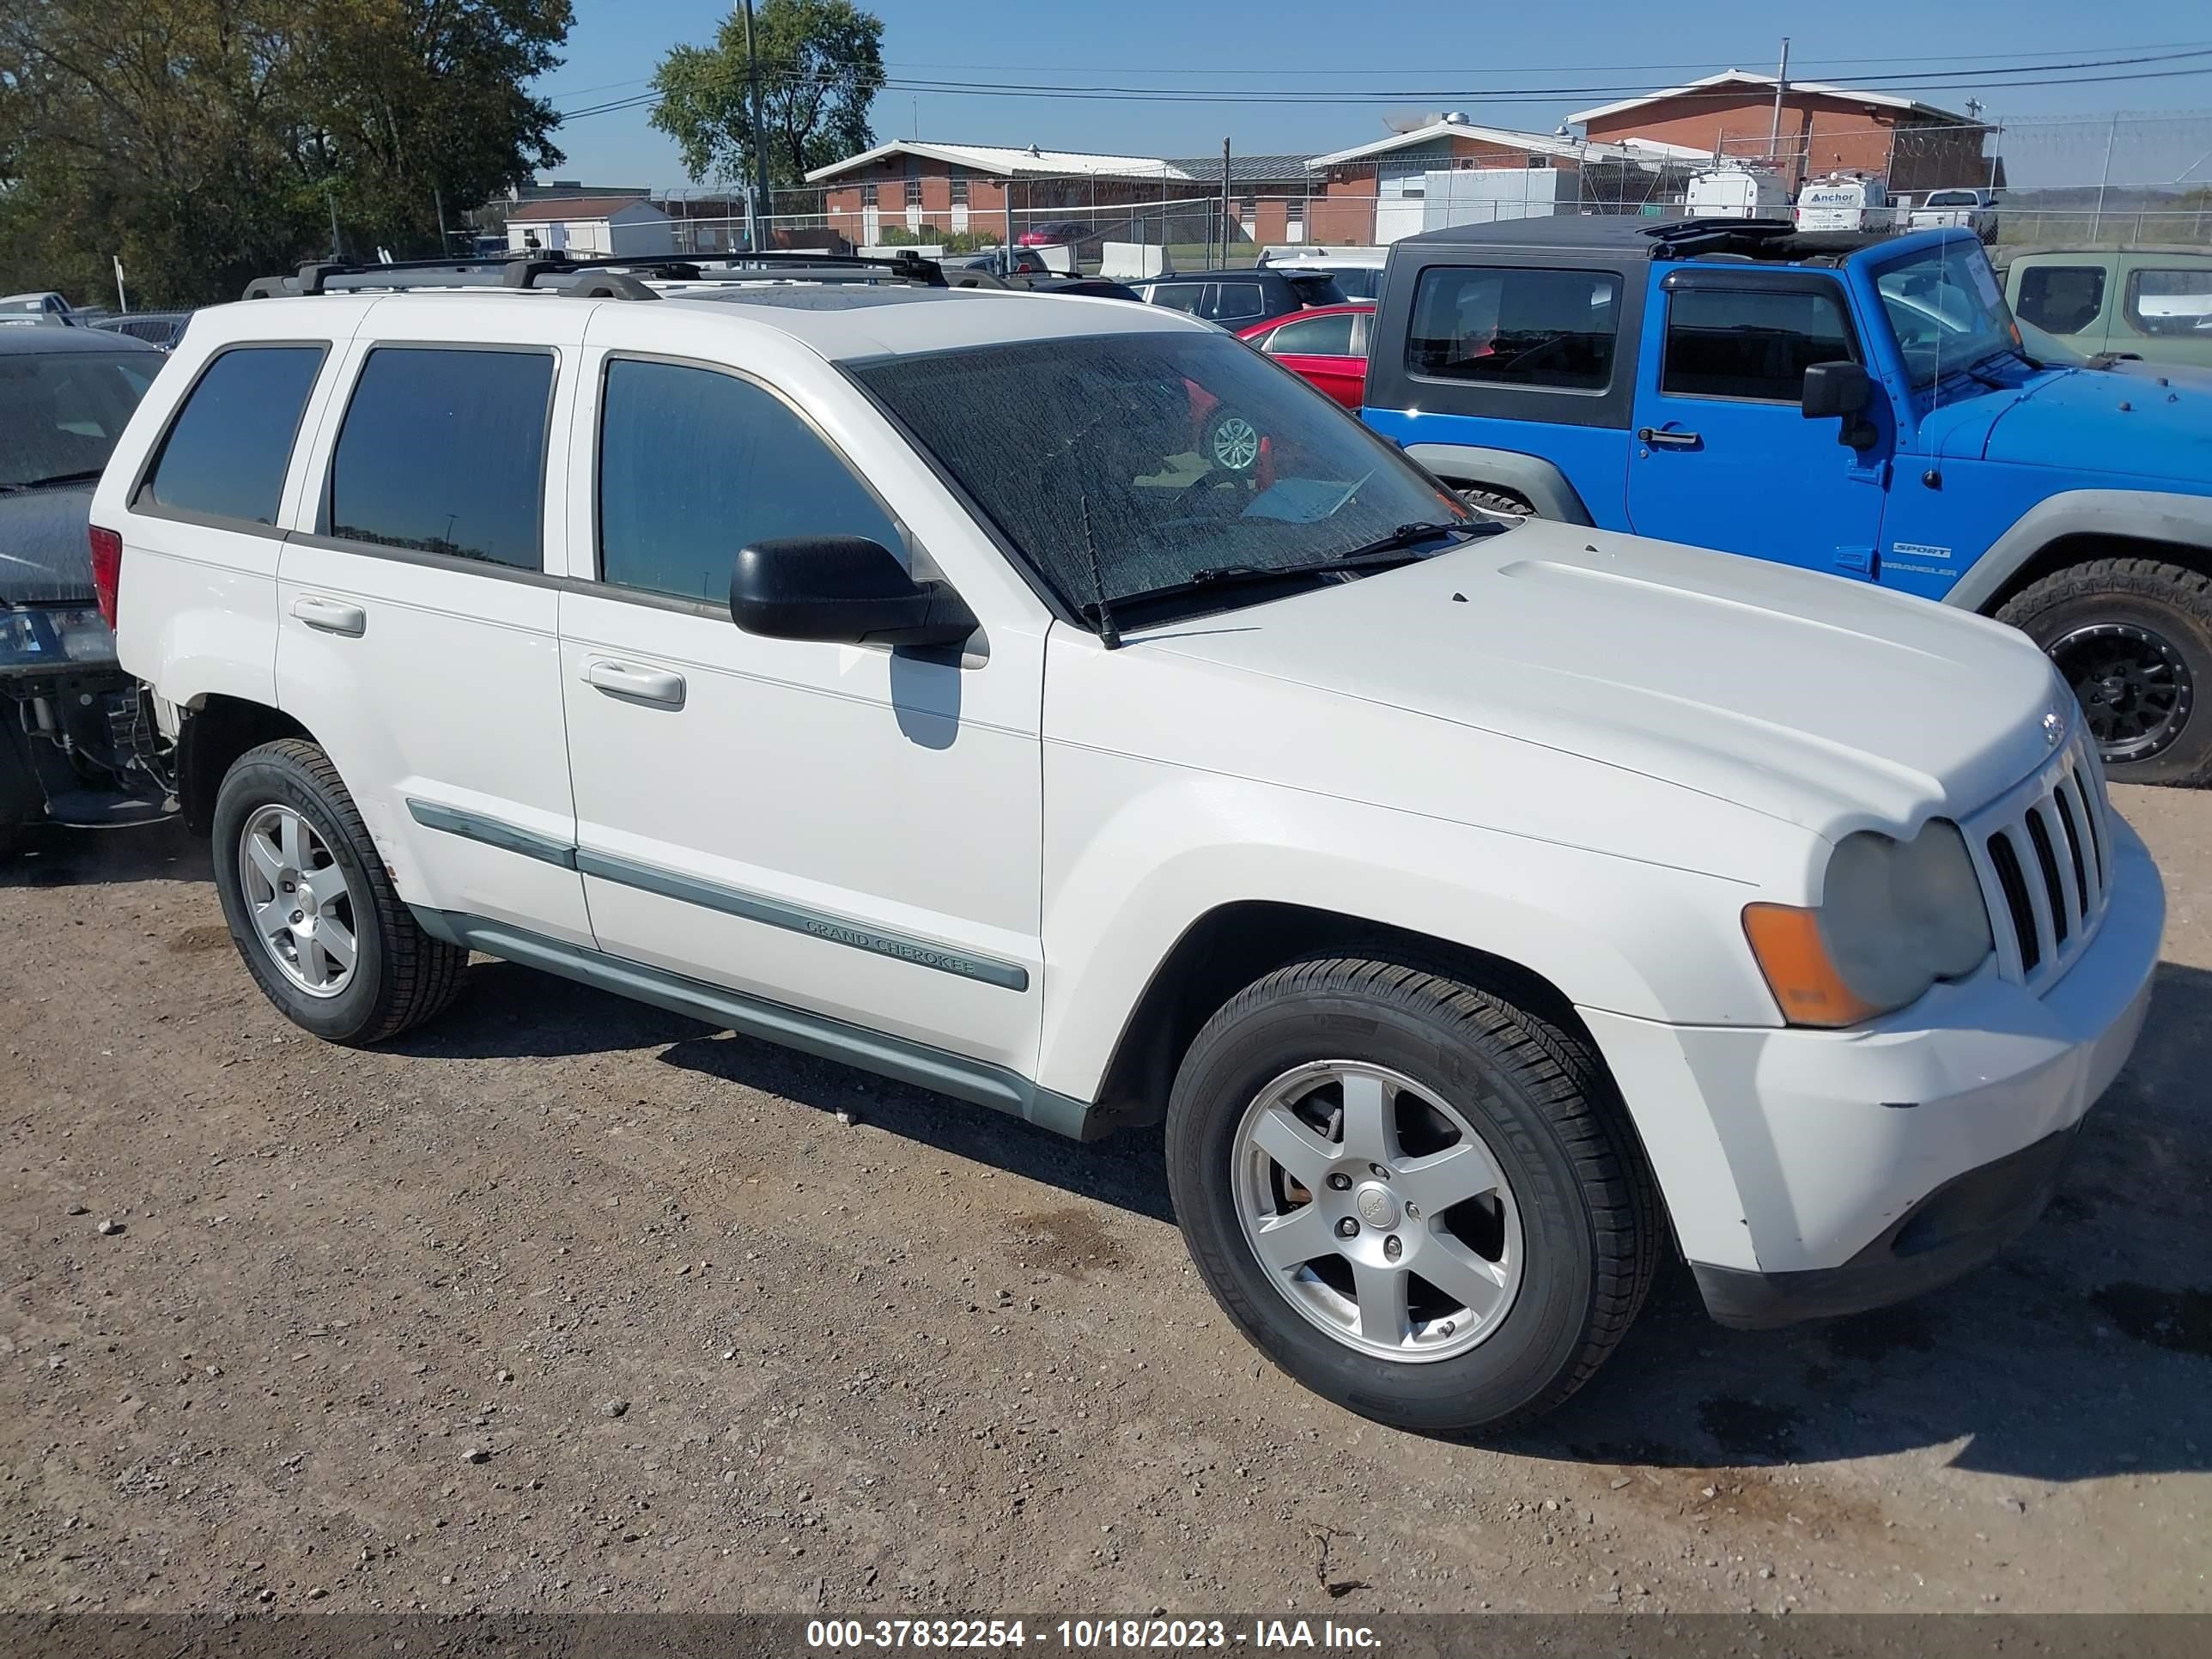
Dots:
pixel 556 207
pixel 1008 161
pixel 1242 169
pixel 1750 78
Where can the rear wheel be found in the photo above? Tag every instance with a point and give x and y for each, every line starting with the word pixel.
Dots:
pixel 1231 442
pixel 2133 637
pixel 312 908
pixel 1413 1196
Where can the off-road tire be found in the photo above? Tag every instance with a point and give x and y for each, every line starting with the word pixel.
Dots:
pixel 2174 603
pixel 402 976
pixel 1589 1210
pixel 1496 501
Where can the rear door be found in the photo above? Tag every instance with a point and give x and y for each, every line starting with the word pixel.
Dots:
pixel 417 622
pixel 1724 456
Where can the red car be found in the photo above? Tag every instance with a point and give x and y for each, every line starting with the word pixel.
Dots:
pixel 1053 233
pixel 1327 344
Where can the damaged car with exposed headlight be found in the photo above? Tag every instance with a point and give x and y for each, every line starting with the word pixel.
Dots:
pixel 77 746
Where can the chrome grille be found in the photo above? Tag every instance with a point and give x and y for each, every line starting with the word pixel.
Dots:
pixel 2040 854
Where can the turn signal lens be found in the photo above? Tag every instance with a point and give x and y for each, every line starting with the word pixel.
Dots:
pixel 1787 942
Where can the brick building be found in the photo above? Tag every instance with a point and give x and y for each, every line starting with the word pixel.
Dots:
pixel 1824 128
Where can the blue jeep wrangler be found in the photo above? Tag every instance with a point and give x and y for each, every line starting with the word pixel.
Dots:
pixel 1857 404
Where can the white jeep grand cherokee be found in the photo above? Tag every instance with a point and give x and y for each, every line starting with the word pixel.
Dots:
pixel 895 673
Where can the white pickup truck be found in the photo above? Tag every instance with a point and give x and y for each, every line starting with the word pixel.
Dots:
pixel 882 670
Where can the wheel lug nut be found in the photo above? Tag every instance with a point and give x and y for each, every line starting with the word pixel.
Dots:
pixel 1412 1212
pixel 1379 1172
pixel 1392 1248
pixel 1341 1182
pixel 1347 1227
pixel 299 916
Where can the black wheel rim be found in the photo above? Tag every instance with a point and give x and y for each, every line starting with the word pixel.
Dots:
pixel 2134 687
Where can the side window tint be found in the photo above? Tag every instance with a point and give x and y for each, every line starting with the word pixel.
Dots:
pixel 1235 303
pixel 444 451
pixel 227 452
pixel 1515 326
pixel 1740 343
pixel 1178 296
pixel 2171 301
pixel 1314 336
pixel 2061 299
pixel 695 464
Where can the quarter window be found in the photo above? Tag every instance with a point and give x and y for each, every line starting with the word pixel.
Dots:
pixel 2171 301
pixel 1750 345
pixel 227 453
pixel 695 464
pixel 443 450
pixel 1516 326
pixel 2061 299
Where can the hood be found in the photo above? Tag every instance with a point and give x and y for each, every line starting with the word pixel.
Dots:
pixel 45 555
pixel 2094 420
pixel 1826 703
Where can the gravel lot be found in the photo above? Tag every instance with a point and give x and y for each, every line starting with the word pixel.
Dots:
pixel 566 1304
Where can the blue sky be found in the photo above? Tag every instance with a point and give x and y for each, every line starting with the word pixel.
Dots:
pixel 1321 50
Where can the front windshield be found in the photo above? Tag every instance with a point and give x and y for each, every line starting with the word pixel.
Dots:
pixel 1166 453
pixel 61 411
pixel 1946 309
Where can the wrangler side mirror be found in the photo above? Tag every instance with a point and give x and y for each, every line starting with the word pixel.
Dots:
pixel 1841 390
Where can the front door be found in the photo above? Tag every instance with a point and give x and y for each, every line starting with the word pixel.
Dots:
pixel 1724 456
pixel 852 831
pixel 1330 350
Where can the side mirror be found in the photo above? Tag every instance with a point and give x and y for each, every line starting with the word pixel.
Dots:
pixel 1833 389
pixel 842 590
pixel 1841 389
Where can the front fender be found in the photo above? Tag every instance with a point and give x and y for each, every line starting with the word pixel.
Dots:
pixel 1612 932
pixel 2145 515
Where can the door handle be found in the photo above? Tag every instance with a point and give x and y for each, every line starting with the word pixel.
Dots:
pixel 331 615
pixel 1660 437
pixel 628 681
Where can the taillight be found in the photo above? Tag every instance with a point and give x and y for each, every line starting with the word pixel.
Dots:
pixel 106 570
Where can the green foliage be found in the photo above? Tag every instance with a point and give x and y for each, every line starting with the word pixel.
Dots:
pixel 820 65
pixel 207 142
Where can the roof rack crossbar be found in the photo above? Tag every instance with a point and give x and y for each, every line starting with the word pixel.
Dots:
pixel 523 271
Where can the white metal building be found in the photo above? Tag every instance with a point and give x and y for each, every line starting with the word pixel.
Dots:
pixel 591 225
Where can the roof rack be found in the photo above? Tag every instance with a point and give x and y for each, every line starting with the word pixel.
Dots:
pixel 612 280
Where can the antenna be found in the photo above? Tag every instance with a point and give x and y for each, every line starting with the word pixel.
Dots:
pixel 1107 633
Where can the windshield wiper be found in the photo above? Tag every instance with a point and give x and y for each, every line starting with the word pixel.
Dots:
pixel 87 476
pixel 1367 555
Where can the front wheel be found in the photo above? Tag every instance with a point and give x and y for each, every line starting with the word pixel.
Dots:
pixel 2133 637
pixel 1416 1198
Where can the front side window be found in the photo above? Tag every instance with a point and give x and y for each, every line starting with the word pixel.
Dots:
pixel 2171 301
pixel 2061 299
pixel 1314 336
pixel 695 464
pixel 1516 326
pixel 227 451
pixel 1107 448
pixel 1748 344
pixel 61 411
pixel 443 451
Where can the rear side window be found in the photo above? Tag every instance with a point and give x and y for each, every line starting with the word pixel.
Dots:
pixel 695 464
pixel 226 452
pixel 1178 296
pixel 1516 326
pixel 1234 302
pixel 2061 299
pixel 1750 345
pixel 2171 301
pixel 444 451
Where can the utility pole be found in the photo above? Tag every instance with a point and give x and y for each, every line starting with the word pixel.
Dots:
pixel 1224 205
pixel 1781 85
pixel 757 198
pixel 2097 220
pixel 445 242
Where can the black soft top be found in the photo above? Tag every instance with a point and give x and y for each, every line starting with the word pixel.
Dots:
pixel 1631 236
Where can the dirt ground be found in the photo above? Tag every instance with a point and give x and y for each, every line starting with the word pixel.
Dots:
pixel 566 1304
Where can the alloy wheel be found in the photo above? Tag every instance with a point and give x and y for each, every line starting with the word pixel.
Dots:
pixel 1377 1210
pixel 302 910
pixel 2135 688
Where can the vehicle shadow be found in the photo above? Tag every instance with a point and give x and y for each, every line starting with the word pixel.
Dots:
pixel 52 856
pixel 2085 1350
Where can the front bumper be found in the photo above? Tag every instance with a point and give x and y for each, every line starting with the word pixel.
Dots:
pixel 1816 1173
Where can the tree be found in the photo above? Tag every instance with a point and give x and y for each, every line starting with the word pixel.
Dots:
pixel 821 64
pixel 206 141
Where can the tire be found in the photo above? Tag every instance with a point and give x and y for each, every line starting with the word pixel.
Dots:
pixel 1231 441
pixel 2134 638
pixel 400 976
pixel 1573 1190
pixel 1496 501
pixel 11 840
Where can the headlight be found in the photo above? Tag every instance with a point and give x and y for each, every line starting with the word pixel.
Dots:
pixel 43 638
pixel 1894 918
